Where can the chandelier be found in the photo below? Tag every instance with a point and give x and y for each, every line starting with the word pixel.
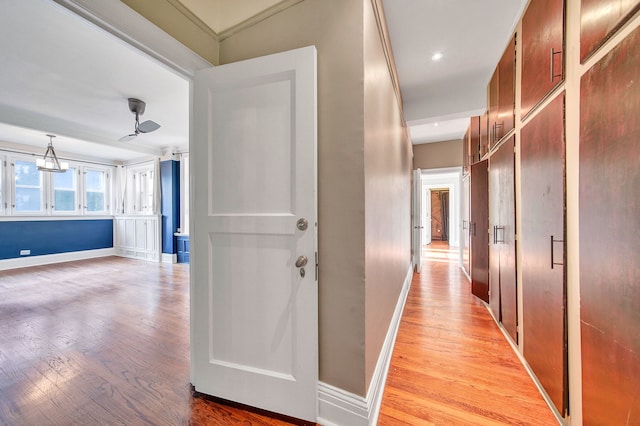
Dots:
pixel 50 162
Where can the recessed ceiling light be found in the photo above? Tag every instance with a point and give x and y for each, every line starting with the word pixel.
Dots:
pixel 437 56
pixel 435 124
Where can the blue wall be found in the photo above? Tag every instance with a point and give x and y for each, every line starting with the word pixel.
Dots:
pixel 55 236
pixel 170 206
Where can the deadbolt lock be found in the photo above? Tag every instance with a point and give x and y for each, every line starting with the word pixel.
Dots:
pixel 302 224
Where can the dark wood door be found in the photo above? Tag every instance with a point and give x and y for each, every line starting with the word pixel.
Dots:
pixel 502 251
pixel 542 51
pixel 609 241
pixel 484 135
pixel 506 91
pixel 474 139
pixel 479 234
pixel 599 19
pixel 492 111
pixel 542 156
pixel 466 220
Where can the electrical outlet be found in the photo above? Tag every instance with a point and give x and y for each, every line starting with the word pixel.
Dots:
pixel 25 252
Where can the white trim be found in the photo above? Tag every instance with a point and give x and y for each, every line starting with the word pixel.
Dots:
pixel 46 259
pixel 132 28
pixel 339 407
pixel 169 258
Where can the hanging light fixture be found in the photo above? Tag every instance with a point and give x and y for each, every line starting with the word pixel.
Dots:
pixel 50 162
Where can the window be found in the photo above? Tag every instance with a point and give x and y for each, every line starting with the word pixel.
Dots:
pixel 65 191
pixel 28 187
pixel 3 200
pixel 96 191
pixel 143 191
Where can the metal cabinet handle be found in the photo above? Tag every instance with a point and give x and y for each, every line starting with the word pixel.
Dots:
pixel 553 60
pixel 495 234
pixel 553 262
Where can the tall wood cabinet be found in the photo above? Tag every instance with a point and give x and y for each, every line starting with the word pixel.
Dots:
pixel 542 159
pixel 609 241
pixel 502 96
pixel 478 230
pixel 466 220
pixel 542 51
pixel 502 245
pixel 599 19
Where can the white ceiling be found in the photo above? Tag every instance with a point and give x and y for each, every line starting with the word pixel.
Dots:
pixel 60 74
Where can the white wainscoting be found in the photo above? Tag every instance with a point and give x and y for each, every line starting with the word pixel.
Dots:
pixel 137 236
pixel 337 407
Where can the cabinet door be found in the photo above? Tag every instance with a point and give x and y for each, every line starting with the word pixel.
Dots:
pixel 484 135
pixel 599 19
pixel 492 111
pixel 543 276
pixel 609 242
pixel 479 226
pixel 466 151
pixel 474 139
pixel 542 51
pixel 466 216
pixel 506 91
pixel 502 259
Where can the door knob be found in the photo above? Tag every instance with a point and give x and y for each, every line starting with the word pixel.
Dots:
pixel 301 261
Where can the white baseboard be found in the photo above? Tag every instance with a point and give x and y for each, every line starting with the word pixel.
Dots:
pixel 169 258
pixel 47 259
pixel 337 407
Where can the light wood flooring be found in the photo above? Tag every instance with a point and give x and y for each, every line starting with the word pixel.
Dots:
pixel 106 341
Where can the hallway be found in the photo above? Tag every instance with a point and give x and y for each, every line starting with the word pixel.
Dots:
pixel 451 364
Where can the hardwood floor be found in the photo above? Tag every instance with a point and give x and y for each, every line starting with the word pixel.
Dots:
pixel 451 364
pixel 102 341
pixel 106 341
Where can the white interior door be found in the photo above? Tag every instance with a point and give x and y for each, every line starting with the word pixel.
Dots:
pixel 417 220
pixel 254 310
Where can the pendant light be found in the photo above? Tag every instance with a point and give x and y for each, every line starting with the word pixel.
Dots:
pixel 50 163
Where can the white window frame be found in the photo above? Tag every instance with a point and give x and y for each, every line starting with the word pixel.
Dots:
pixel 108 171
pixel 43 189
pixel 140 200
pixel 76 211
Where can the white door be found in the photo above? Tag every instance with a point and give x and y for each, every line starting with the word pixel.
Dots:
pixel 417 220
pixel 254 311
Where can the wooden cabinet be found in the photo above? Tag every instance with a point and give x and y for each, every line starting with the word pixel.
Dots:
pixel 542 51
pixel 502 246
pixel 542 155
pixel 599 19
pixel 502 95
pixel 609 242
pixel 478 230
pixel 484 135
pixel 466 152
pixel 474 139
pixel 466 219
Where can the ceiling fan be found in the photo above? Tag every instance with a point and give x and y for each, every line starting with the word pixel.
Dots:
pixel 137 107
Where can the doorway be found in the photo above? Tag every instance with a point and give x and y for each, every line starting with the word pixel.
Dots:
pixel 440 214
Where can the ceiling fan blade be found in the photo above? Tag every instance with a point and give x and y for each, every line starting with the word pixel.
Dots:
pixel 148 126
pixel 127 138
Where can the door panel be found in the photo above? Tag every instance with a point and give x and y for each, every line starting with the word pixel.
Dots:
pixel 506 91
pixel 417 220
pixel 609 243
pixel 543 284
pixel 506 238
pixel 254 315
pixel 599 19
pixel 494 107
pixel 474 139
pixel 466 218
pixel 542 51
pixel 484 135
pixel 479 225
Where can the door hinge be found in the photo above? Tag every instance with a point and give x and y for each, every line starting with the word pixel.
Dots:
pixel 316 266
